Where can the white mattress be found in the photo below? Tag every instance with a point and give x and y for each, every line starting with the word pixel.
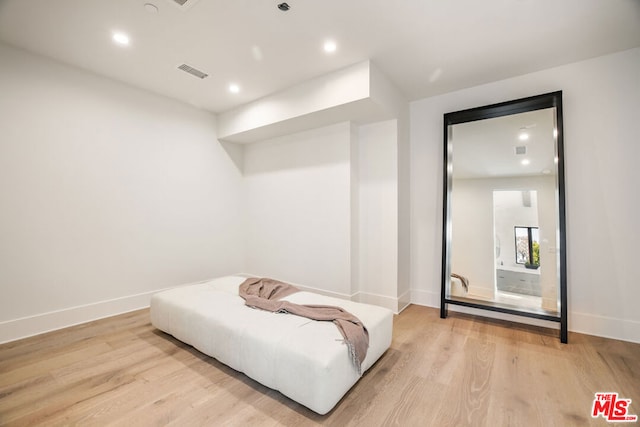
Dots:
pixel 304 359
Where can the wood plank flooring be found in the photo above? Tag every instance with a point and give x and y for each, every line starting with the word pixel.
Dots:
pixel 460 371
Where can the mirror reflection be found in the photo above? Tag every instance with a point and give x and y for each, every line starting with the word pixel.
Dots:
pixel 504 211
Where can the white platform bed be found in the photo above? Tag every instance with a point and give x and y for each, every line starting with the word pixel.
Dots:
pixel 306 360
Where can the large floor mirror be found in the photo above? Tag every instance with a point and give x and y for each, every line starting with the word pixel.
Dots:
pixel 504 215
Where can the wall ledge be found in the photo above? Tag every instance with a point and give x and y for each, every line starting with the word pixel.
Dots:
pixel 358 93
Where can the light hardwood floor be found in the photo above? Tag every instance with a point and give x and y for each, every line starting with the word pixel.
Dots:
pixel 463 370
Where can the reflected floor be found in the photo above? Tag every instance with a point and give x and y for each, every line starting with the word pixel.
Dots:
pixel 508 301
pixel 521 300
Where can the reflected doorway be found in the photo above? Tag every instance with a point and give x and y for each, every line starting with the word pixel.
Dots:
pixel 517 264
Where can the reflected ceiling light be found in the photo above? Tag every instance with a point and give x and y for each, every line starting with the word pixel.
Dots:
pixel 121 38
pixel 256 53
pixel 435 75
pixel 234 88
pixel 525 162
pixel 555 133
pixel 330 46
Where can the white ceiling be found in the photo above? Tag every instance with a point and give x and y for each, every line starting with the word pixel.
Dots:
pixel 426 47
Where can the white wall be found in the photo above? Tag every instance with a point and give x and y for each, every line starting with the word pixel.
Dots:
pixel 108 193
pixel 298 208
pixel 322 210
pixel 378 213
pixel 116 193
pixel 472 235
pixel 601 108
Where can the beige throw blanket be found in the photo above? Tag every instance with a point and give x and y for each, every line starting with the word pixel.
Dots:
pixel 265 294
pixel 464 280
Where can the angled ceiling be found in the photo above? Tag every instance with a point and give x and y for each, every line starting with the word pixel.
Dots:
pixel 426 47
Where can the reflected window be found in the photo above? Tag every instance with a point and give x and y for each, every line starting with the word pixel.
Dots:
pixel 527 246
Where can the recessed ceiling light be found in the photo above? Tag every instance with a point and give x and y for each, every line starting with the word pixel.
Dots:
pixel 523 136
pixel 121 38
pixel 330 46
pixel 525 162
pixel 234 88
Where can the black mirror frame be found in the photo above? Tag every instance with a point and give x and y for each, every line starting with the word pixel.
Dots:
pixel 538 102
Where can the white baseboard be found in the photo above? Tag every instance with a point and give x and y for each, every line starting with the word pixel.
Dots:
pixel 350 297
pixel 380 300
pixel 428 299
pixel 404 301
pixel 24 327
pixel 607 327
pixel 326 293
pixel 392 303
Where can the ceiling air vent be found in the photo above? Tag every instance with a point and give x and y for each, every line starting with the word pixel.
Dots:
pixel 521 149
pixel 193 71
